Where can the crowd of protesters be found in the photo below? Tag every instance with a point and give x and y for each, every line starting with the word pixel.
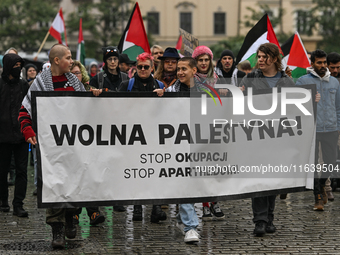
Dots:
pixel 162 71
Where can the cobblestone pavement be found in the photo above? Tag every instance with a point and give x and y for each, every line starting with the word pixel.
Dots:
pixel 300 230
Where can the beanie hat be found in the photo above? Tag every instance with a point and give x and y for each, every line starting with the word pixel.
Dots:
pixel 200 50
pixel 227 53
pixel 109 52
pixel 28 66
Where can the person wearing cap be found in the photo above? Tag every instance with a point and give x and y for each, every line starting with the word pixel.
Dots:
pixel 167 69
pixel 13 89
pixel 31 72
pixel 111 77
pixel 226 69
pixel 125 63
pixel 206 76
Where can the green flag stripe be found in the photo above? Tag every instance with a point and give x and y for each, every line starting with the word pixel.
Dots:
pixel 253 60
pixel 133 52
pixel 298 72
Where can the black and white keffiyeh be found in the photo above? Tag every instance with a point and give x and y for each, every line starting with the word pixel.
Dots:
pixel 43 82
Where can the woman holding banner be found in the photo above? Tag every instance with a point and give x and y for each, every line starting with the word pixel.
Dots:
pixel 206 76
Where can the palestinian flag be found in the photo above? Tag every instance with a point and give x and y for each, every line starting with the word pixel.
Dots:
pixel 262 32
pixel 179 43
pixel 295 56
pixel 81 44
pixel 57 30
pixel 134 40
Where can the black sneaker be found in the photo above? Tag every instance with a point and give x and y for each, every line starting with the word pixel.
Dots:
pixel 119 208
pixel 207 216
pixel 157 214
pixel 20 212
pixel 97 218
pixel 76 219
pixel 260 228
pixel 137 213
pixel 216 211
pixel 270 228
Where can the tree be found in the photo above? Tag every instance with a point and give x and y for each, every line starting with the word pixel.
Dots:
pixel 276 20
pixel 233 43
pixel 105 24
pixel 325 20
pixel 24 23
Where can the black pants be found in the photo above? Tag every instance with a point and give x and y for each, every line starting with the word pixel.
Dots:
pixel 20 152
pixel 263 208
pixel 329 142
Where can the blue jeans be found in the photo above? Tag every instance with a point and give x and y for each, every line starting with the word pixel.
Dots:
pixel 187 215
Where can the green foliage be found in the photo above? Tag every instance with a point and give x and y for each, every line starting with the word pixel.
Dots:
pixel 257 15
pixel 104 26
pixel 233 43
pixel 19 21
pixel 325 20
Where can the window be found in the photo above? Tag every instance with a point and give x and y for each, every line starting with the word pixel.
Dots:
pixel 302 22
pixel 185 21
pixel 153 23
pixel 219 23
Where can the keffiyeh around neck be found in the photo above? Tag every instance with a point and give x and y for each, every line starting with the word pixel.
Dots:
pixel 203 78
pixel 43 82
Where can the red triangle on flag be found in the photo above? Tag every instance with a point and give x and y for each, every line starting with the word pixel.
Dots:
pixel 271 37
pixel 179 43
pixel 297 54
pixel 136 33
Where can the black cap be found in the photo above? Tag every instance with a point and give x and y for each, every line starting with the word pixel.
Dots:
pixel 170 53
pixel 124 58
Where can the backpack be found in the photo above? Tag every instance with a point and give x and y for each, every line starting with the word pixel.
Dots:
pixel 132 81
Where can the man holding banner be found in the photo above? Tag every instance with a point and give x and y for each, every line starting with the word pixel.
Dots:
pixel 327 121
pixel 268 75
pixel 56 78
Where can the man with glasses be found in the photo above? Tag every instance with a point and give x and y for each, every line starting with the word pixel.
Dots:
pixel 156 51
pixel 110 79
pixel 166 71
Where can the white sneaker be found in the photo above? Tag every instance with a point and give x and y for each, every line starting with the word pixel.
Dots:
pixel 191 236
pixel 180 226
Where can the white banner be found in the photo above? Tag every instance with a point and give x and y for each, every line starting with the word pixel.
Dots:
pixel 138 150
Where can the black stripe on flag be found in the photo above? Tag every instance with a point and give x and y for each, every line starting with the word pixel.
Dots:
pixel 259 29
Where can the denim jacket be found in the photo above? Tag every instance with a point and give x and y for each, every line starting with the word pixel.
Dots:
pixel 328 108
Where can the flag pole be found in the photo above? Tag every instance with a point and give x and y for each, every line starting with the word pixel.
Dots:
pixel 42 45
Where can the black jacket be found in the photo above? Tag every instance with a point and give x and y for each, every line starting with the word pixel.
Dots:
pixel 111 81
pixel 12 92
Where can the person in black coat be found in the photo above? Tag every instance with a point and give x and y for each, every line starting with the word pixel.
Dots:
pixel 12 91
pixel 111 78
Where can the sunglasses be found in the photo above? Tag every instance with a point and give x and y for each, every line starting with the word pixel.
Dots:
pixel 168 61
pixel 140 67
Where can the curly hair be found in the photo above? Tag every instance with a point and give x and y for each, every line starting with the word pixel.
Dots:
pixel 271 49
pixel 159 72
pixel 85 76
